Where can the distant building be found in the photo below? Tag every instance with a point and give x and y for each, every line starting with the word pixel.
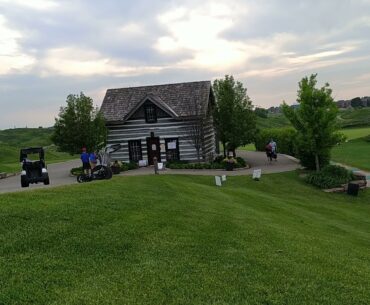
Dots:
pixel 344 104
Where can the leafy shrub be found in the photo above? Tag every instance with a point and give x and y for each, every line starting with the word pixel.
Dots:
pixel 129 166
pixel 76 171
pixel 219 163
pixel 307 159
pixel 329 177
pixel 241 162
pixel 284 137
pixel 218 159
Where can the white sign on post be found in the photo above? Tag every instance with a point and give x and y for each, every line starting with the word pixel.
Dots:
pixel 160 166
pixel 257 174
pixel 223 177
pixel 218 180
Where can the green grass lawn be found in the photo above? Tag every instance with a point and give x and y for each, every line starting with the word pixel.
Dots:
pixel 354 152
pixel 249 147
pixel 182 240
pixel 355 133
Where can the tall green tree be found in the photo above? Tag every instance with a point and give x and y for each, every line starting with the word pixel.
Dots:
pixel 234 118
pixel 79 124
pixel 315 122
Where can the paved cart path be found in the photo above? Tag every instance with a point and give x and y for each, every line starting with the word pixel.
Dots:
pixel 59 172
pixel 257 160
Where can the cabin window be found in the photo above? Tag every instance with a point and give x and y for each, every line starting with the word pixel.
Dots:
pixel 135 152
pixel 150 114
pixel 172 149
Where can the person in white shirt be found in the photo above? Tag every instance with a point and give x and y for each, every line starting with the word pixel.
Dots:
pixel 273 148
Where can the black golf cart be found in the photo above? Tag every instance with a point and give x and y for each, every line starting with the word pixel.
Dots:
pixel 33 171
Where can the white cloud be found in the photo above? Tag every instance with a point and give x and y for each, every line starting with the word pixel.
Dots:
pixel 74 61
pixel 199 30
pixel 11 57
pixel 132 29
pixel 33 4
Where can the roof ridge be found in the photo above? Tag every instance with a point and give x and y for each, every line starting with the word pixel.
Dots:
pixel 160 85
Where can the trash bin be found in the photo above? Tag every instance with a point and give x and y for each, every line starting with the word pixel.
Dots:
pixel 353 189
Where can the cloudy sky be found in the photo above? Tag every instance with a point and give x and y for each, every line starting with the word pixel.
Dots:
pixel 49 48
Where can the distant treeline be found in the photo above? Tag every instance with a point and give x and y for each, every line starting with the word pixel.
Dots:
pixel 357 102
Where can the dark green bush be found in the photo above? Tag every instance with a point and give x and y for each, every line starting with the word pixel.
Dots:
pixel 307 160
pixel 329 177
pixel 284 137
pixel 129 166
pixel 241 162
pixel 76 171
pixel 219 163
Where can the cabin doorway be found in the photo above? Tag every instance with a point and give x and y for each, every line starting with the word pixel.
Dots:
pixel 154 149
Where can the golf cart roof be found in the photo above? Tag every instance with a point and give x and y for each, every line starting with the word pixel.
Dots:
pixel 31 150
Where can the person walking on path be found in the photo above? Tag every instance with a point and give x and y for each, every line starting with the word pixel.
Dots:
pixel 85 158
pixel 273 146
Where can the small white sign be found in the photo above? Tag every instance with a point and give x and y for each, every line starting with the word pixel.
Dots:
pixel 160 166
pixel 223 178
pixel 218 180
pixel 154 147
pixel 257 174
pixel 171 145
pixel 143 163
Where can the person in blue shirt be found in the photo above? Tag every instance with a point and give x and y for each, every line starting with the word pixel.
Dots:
pixel 85 158
pixel 93 160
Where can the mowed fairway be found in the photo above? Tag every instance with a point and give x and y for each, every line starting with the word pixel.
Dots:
pixel 181 240
pixel 356 151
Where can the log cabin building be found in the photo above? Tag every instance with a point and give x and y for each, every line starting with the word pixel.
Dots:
pixel 169 122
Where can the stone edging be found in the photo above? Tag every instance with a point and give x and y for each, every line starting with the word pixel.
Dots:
pixel 8 175
pixel 207 169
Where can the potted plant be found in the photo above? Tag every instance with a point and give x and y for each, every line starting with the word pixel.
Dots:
pixel 116 167
pixel 229 163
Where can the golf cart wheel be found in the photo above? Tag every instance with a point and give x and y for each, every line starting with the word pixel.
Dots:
pixel 47 181
pixel 102 172
pixel 24 182
pixel 108 172
pixel 80 178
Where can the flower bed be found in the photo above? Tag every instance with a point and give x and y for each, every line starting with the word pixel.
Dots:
pixel 218 163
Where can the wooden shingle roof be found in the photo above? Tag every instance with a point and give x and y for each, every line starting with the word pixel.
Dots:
pixel 118 104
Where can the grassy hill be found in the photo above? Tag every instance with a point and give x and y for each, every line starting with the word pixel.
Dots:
pixel 182 240
pixel 354 117
pixel 273 121
pixel 347 118
pixel 24 137
pixel 12 140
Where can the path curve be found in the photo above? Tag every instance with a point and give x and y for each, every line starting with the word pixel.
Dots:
pixel 59 172
pixel 256 159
